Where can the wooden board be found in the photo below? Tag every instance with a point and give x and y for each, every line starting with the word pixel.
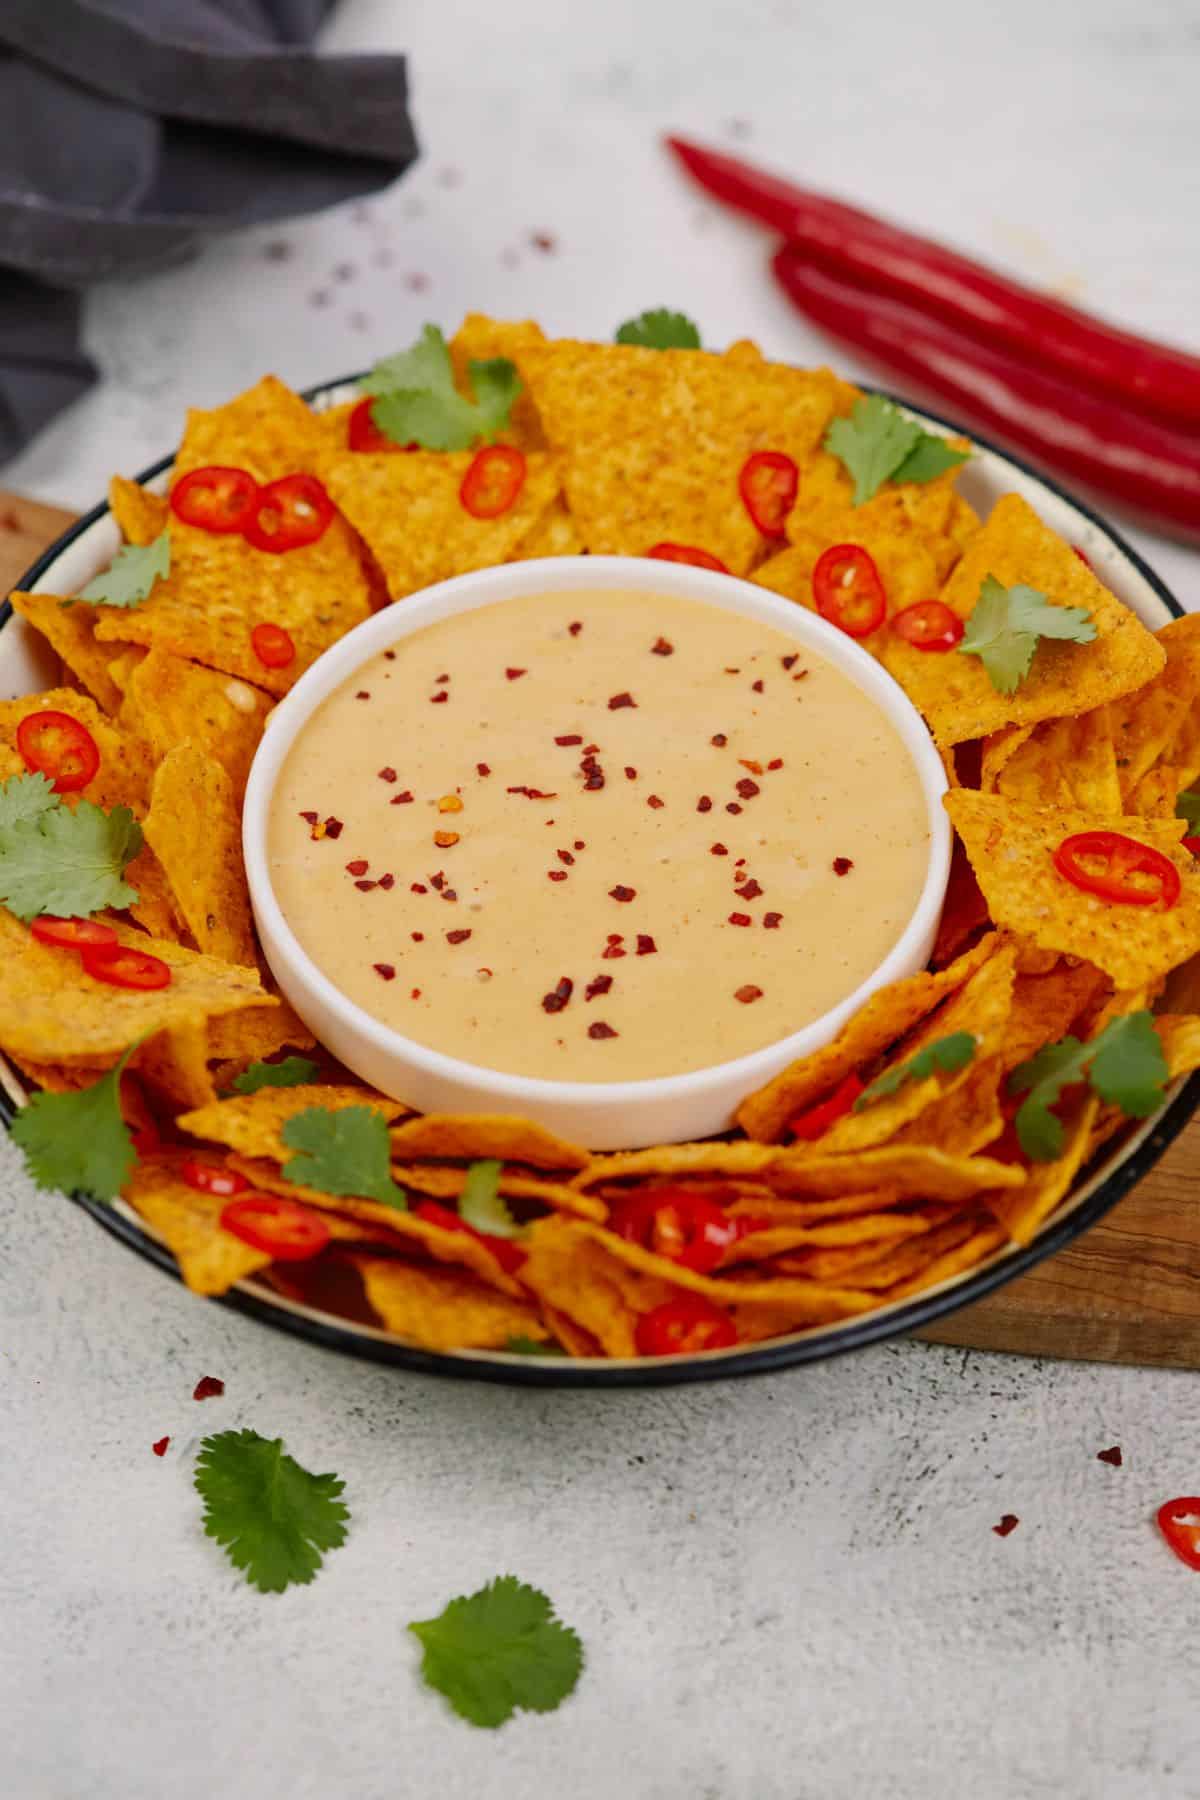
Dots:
pixel 1128 1291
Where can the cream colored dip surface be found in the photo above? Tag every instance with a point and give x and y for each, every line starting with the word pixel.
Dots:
pixel 632 890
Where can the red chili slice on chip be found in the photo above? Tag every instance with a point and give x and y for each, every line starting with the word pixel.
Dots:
pixel 56 745
pixel 215 498
pixel 272 645
pixel 212 1178
pixel 929 625
pixel 688 553
pixel 684 1326
pixel 510 1256
pixel 73 934
pixel 848 591
pixel 288 514
pixel 768 484
pixel 126 967
pixel 283 1228
pixel 815 1121
pixel 362 433
pixel 1107 864
pixel 493 481
pixel 676 1223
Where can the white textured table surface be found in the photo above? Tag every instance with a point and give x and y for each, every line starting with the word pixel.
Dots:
pixel 788 1589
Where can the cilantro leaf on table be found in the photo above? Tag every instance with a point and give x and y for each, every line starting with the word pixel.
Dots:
pixel 272 1518
pixel 344 1151
pixel 417 401
pixel 132 574
pixel 1187 806
pixel 499 1649
pixel 78 1142
pixel 660 329
pixel 1007 624
pixel 878 443
pixel 480 1204
pixel 948 1054
pixel 293 1071
pixel 68 862
pixel 1124 1064
pixel 25 797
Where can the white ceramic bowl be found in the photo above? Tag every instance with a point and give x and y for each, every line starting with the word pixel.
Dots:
pixel 607 1115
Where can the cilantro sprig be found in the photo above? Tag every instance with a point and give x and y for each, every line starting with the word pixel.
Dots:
pixel 660 329
pixel 1007 624
pixel 272 1518
pixel 947 1054
pixel 879 443
pixel 131 575
pixel 55 859
pixel 480 1204
pixel 499 1649
pixel 1125 1065
pixel 292 1071
pixel 417 401
pixel 78 1142
pixel 343 1151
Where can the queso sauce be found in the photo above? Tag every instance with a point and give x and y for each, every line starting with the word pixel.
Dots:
pixel 598 836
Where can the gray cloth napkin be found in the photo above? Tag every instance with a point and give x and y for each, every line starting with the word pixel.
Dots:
pixel 134 128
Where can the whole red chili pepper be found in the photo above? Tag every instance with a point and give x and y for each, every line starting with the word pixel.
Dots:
pixel 1153 379
pixel 1146 467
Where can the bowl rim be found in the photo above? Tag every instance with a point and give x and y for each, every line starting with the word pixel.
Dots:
pixel 338 665
pixel 814 1345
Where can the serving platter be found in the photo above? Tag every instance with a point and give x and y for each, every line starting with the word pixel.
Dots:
pixel 1106 1322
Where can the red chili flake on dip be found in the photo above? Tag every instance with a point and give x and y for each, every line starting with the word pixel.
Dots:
pixel 365 887
pixel 646 945
pixel 160 1448
pixel 569 737
pixel 611 953
pixel 842 865
pixel 1112 1456
pixel 747 788
pixel 622 893
pixel 719 741
pixel 439 698
pixel 776 762
pixel 575 627
pixel 437 881
pixel 387 774
pixel 704 803
pixel 446 840
pixel 385 971
pixel 718 850
pixel 790 661
pixel 531 793
pixel 404 799
pixel 599 984
pixel 630 772
pixel 209 1387
pixel 418 937
pixel 387 881
pixel 565 857
pixel 757 686
pixel 483 768
pixel 310 817
pixel 514 674
pixel 1008 1523
pixel 358 867
pixel 449 894
pixel 600 1030
pixel 556 874
pixel 362 694
pixel 738 918
pixel 334 828
pixel 748 994
pixel 579 844
pixel 557 998
pixel 618 701
pixel 654 801
pixel 749 890
pixel 457 937
pixel 731 806
pixel 771 921
pixel 748 762
pixel 660 647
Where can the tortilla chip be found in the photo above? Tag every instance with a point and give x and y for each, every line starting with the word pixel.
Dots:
pixel 445 1181
pixel 967 1118
pixel 1024 1211
pixel 583 1283
pixel 887 1016
pixel 140 515
pixel 255 1035
pixel 168 700
pixel 956 1260
pixel 121 666
pixel 123 777
pixel 268 429
pixel 175 1065
pixel 154 908
pixel 1157 793
pixel 1061 762
pixel 1180 1035
pixel 70 631
pixel 920 1171
pixel 470 1135
pixel 252 1123
pixel 480 339
pixel 877 1266
pixel 772 1210
pixel 1145 724
pixel 1046 1007
pixel 875 1230
pixel 654 443
pixel 572 1337
pixel 1010 849
pixel 555 534
pixel 189 1224
pixel 50 1009
pixel 443 1309
pixel 931 512
pixel 955 692
pixel 194 828
pixel 409 512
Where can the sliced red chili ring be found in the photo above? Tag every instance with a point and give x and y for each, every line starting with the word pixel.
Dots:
pixel 848 591
pixel 768 484
pixel 215 498
pixel 685 1227
pixel 212 1178
pixel 73 934
pixel 362 433
pixel 510 1256
pixel 272 645
pixel 126 967
pixel 1121 859
pixel 815 1121
pixel 684 1326
pixel 688 553
pixel 1191 845
pixel 1179 1522
pixel 56 745
pixel 283 1228
pixel 288 514
pixel 929 625
pixel 493 481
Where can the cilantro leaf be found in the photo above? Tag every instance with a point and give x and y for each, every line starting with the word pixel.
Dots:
pixel 1004 629
pixel 878 443
pixel 660 329
pixel 271 1517
pixel 25 797
pixel 499 1649
pixel 417 401
pixel 949 1054
pixel 480 1205
pixel 68 862
pixel 132 574
pixel 527 1346
pixel 78 1142
pixel 1124 1064
pixel 1187 806
pixel 293 1071
pixel 344 1151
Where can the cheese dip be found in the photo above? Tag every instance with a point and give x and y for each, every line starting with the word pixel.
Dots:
pixel 598 836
